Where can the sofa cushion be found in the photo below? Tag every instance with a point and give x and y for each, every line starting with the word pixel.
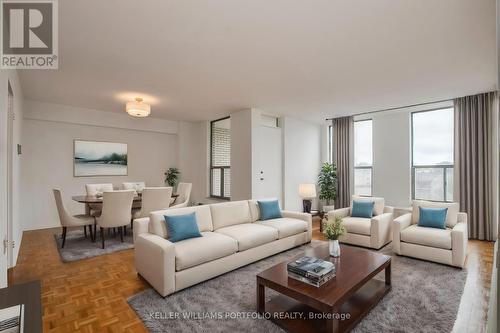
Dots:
pixel 250 235
pixel 230 213
pixel 451 215
pixel 379 203
pixel 439 238
pixel 357 225
pixel 196 251
pixel 158 227
pixel 269 209
pixel 182 227
pixel 286 226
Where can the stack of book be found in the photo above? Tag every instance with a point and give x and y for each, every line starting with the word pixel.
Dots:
pixel 313 271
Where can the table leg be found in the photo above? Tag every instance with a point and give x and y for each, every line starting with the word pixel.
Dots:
pixel 332 323
pixel 388 275
pixel 261 297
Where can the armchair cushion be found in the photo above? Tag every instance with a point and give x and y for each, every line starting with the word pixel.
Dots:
pixel 451 216
pixel 432 217
pixel 357 225
pixel 362 209
pixel 438 238
pixel 378 207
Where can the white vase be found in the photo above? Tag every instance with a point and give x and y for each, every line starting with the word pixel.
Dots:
pixel 334 247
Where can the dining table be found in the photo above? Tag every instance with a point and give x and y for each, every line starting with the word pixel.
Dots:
pixel 92 199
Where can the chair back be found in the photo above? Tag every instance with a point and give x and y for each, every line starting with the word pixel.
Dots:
pixel 136 186
pixel 116 208
pixel 155 198
pixel 94 189
pixel 64 217
pixel 184 191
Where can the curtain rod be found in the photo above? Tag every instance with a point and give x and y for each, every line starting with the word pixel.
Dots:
pixel 406 106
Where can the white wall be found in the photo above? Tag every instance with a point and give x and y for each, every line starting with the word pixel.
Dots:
pixel 302 158
pixel 12 77
pixel 48 156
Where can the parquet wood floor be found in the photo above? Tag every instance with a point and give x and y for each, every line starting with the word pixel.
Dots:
pixel 91 295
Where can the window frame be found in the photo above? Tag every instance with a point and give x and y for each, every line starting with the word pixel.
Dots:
pixel 364 166
pixel 444 167
pixel 221 168
pixel 330 143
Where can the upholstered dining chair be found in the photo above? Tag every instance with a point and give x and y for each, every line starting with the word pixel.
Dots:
pixel 138 187
pixel 153 198
pixel 116 211
pixel 94 190
pixel 68 220
pixel 184 192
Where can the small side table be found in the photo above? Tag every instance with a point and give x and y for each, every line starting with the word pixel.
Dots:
pixel 320 214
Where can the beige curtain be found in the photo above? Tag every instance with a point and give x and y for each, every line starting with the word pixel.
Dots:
pixel 476 158
pixel 342 129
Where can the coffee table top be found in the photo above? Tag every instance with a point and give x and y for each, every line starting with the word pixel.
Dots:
pixel 354 268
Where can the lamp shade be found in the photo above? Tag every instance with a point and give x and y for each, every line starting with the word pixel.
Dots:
pixel 307 190
pixel 138 108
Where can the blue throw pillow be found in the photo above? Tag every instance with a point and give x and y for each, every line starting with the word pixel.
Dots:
pixel 269 210
pixel 181 227
pixel 432 217
pixel 362 209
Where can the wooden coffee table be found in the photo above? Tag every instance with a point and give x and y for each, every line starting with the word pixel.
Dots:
pixel 336 306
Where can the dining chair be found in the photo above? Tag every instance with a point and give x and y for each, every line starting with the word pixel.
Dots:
pixel 153 198
pixel 116 211
pixel 68 220
pixel 184 192
pixel 95 190
pixel 138 187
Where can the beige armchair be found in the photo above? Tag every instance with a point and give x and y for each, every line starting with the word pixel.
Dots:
pixel 373 233
pixel 116 211
pixel 446 246
pixel 68 220
pixel 94 190
pixel 153 199
pixel 184 192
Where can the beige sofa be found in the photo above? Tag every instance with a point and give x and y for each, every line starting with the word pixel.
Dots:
pixel 373 233
pixel 233 236
pixel 446 246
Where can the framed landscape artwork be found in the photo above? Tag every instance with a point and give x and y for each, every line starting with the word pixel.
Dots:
pixel 97 158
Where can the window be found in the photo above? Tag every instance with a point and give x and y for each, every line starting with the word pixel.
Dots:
pixel 363 157
pixel 432 155
pixel 220 157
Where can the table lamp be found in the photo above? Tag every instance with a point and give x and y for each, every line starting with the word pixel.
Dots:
pixel 307 192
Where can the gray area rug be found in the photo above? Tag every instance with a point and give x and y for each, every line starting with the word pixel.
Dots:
pixel 77 247
pixel 425 297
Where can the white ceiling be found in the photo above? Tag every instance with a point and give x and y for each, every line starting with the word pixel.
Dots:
pixel 200 60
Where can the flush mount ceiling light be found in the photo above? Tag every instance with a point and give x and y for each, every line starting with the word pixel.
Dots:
pixel 138 108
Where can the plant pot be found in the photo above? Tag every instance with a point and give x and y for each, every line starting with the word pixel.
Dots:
pixel 326 209
pixel 334 247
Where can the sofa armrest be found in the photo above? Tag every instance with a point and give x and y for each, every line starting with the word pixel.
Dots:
pixel 380 230
pixel 388 209
pixel 398 225
pixel 459 239
pixel 300 216
pixel 341 212
pixel 155 261
pixel 140 226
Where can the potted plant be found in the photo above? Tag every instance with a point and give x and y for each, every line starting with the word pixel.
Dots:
pixel 172 177
pixel 332 231
pixel 327 183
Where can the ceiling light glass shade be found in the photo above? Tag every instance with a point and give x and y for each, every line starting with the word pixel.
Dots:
pixel 138 108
